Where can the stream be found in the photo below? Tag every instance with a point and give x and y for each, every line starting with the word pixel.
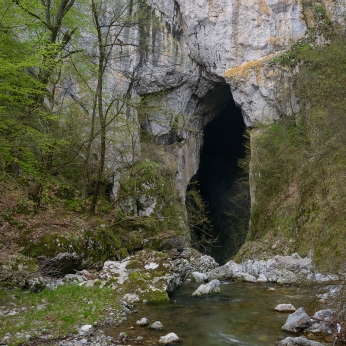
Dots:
pixel 242 314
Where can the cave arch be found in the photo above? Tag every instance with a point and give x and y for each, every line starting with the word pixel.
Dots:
pixel 223 180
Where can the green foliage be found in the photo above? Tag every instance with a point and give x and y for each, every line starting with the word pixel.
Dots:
pixel 95 245
pixel 322 76
pixel 150 186
pixel 240 204
pixel 198 220
pixel 299 163
pixel 32 130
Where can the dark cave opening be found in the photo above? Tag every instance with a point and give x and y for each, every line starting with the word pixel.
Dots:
pixel 223 183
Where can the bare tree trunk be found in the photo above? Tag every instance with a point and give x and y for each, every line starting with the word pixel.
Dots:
pixel 88 151
pixel 99 94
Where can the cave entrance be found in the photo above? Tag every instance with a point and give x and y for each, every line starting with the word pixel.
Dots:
pixel 223 182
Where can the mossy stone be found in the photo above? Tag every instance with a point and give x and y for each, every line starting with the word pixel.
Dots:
pixel 156 296
pixel 134 241
pixel 122 254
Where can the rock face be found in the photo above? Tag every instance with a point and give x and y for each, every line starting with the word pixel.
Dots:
pixel 297 321
pixel 201 54
pixel 222 35
pixel 205 53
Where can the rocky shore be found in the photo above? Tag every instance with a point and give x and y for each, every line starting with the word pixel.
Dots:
pixel 148 276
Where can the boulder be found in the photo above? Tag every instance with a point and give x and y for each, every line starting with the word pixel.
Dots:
pixel 166 240
pixel 170 338
pixel 280 269
pixel 285 308
pixel 131 298
pixel 244 277
pixel 326 315
pixel 262 278
pixel 156 325
pixel 121 254
pixel 134 241
pixel 86 330
pixel 224 272
pixel 321 326
pixel 203 264
pixel 36 284
pixel 143 322
pixel 300 341
pixel 63 262
pixel 19 271
pixel 210 288
pixel 297 321
pixel 199 277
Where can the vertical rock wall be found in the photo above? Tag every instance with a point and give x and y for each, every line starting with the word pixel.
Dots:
pixel 204 51
pixel 208 49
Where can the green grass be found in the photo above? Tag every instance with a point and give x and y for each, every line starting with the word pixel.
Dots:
pixel 66 308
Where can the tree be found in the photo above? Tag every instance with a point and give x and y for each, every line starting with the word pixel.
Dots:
pixel 34 129
pixel 115 43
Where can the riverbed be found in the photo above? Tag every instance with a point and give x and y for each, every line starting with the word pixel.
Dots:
pixel 242 314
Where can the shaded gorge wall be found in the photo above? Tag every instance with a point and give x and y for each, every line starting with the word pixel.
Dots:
pixel 223 183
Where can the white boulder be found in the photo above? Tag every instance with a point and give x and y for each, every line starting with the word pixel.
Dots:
pixel 199 277
pixel 156 325
pixel 143 322
pixel 285 308
pixel 131 298
pixel 169 339
pixel 86 329
pixel 209 288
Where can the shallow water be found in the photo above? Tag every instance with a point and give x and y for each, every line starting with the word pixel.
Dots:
pixel 242 314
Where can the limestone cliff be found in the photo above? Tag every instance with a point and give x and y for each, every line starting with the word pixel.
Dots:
pixel 204 52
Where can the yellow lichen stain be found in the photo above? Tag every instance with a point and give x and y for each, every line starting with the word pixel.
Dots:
pixel 309 17
pixel 330 6
pixel 275 40
pixel 247 67
pixel 260 5
pixel 263 7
